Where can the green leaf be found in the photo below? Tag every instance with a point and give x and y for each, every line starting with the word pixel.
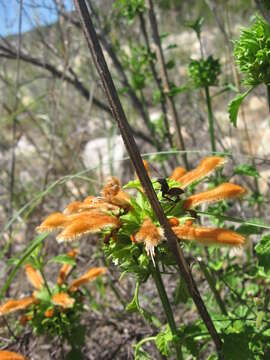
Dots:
pixel 33 245
pixel 246 169
pixel 248 229
pixel 181 292
pixel 234 105
pixel 63 259
pixel 163 341
pixel 263 252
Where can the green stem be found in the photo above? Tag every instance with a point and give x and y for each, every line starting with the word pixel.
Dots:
pixel 211 283
pixel 210 119
pixel 45 281
pixel 167 308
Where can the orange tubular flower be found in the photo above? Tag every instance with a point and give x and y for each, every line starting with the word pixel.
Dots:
pixel 66 268
pixel 34 276
pixel 221 192
pixel 10 355
pixel 53 222
pixel 90 275
pixel 87 223
pixel 178 173
pixel 63 300
pixel 209 236
pixel 15 305
pixel 114 194
pixel 206 167
pixel 150 235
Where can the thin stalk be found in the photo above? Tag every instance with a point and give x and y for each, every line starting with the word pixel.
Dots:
pixel 210 120
pixel 165 81
pixel 157 79
pixel 268 96
pixel 45 281
pixel 136 159
pixel 212 285
pixel 167 308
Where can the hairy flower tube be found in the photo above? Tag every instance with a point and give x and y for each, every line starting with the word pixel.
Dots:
pixel 47 301
pixel 10 355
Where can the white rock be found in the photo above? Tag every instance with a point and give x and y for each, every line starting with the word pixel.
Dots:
pixel 104 154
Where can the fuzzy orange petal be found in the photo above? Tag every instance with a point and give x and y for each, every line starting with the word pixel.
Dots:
pixel 87 223
pixel 209 236
pixel 34 276
pixel 90 275
pixel 15 305
pixel 66 268
pixel 178 173
pixel 10 355
pixel 53 222
pixel 100 204
pixel 63 300
pixel 113 193
pixel 150 235
pixel 73 207
pixel 221 192
pixel 206 167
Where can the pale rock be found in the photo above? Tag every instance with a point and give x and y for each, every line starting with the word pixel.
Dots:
pixel 264 181
pixel 104 155
pixel 255 103
pixel 24 147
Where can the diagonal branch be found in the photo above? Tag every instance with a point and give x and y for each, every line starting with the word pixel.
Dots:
pixel 8 53
pixel 124 127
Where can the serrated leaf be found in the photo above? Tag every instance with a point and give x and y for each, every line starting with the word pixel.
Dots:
pixel 246 169
pixel 234 106
pixel 163 341
pixel 263 252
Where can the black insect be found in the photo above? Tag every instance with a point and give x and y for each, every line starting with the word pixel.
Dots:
pixel 193 214
pixel 167 192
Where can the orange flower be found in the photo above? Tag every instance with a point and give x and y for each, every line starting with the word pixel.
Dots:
pixel 178 173
pixel 221 192
pixel 34 276
pixel 206 167
pixel 10 355
pixel 63 300
pixel 209 236
pixel 66 268
pixel 49 313
pixel 15 305
pixel 150 235
pixel 87 223
pixel 114 194
pixel 174 221
pixel 90 275
pixel 53 222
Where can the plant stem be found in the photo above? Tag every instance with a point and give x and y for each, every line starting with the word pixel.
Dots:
pixel 211 283
pixel 133 151
pixel 165 81
pixel 210 120
pixel 167 308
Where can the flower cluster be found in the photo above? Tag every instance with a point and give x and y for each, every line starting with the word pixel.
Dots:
pixel 129 220
pixel 48 302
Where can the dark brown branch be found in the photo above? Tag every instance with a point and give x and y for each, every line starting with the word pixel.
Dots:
pixel 165 81
pixel 125 130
